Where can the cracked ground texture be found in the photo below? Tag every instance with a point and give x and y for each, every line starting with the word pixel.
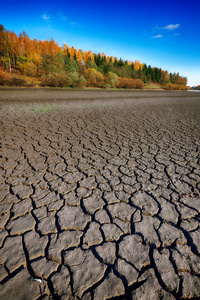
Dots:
pixel 99 195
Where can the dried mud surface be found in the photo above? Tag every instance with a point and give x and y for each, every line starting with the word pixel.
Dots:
pixel 99 195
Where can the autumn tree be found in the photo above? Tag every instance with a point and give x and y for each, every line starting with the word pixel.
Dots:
pixel 181 81
pixel 93 77
pixel 137 65
pixel 112 79
pixel 164 77
pixel 29 69
pixel 5 49
pixel 52 57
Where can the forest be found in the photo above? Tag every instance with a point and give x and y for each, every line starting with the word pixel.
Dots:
pixel 32 62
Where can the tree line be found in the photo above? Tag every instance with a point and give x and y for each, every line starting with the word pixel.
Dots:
pixel 55 65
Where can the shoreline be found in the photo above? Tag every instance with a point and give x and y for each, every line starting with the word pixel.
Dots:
pixel 61 94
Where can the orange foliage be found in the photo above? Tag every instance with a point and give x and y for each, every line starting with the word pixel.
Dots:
pixel 29 69
pixel 14 80
pixel 79 55
pixel 181 81
pixel 137 65
pixel 175 86
pixel 128 83
pixel 88 55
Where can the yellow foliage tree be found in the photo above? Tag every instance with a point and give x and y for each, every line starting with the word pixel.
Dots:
pixel 93 77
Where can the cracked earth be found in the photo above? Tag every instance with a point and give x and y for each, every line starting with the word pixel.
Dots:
pixel 99 195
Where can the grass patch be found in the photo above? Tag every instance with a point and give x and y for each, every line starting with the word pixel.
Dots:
pixel 44 109
pixel 152 86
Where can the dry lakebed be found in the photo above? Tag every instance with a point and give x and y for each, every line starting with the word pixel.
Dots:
pixel 99 194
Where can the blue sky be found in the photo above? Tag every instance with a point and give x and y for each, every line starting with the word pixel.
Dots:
pixel 159 33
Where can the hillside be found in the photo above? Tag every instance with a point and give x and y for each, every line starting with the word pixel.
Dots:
pixel 27 62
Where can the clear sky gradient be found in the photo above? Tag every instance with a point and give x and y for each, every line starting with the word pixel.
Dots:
pixel 163 34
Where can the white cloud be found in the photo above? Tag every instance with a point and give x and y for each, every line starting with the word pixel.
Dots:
pixel 176 33
pixel 171 26
pixel 157 36
pixel 46 17
pixel 61 16
pixel 75 24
